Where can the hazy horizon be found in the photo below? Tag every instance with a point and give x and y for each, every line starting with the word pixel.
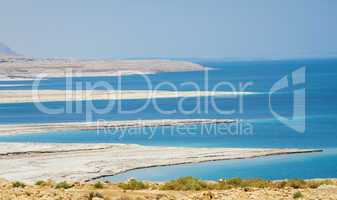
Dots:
pixel 161 29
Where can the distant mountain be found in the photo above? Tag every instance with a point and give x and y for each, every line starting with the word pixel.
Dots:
pixel 5 50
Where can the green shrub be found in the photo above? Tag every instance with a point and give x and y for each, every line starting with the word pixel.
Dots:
pixel 63 185
pixel 184 183
pixel 133 184
pixel 221 186
pixel 238 182
pixel 98 185
pixel 235 182
pixel 18 184
pixel 297 195
pixel 296 183
pixel 191 183
pixel 41 183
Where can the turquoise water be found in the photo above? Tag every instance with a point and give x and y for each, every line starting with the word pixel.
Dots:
pixel 322 165
pixel 321 119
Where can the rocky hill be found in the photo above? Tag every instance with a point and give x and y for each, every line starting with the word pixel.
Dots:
pixel 6 51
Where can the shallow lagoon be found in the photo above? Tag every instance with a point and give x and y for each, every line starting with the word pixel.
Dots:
pixel 321 119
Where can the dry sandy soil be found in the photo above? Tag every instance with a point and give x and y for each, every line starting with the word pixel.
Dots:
pixel 85 191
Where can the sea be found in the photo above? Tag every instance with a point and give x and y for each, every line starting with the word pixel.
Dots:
pixel 289 104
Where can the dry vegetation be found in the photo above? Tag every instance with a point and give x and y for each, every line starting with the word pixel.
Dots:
pixel 182 188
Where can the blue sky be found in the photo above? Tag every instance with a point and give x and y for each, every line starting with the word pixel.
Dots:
pixel 174 28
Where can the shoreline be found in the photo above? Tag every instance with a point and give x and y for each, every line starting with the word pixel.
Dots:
pixel 297 151
pixel 15 129
pixel 29 162
pixel 38 96
pixel 22 68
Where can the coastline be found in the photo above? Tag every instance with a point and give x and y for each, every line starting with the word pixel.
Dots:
pixel 32 96
pixel 23 68
pixel 30 162
pixel 281 152
pixel 15 129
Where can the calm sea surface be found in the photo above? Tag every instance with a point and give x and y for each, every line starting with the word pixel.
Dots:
pixel 264 129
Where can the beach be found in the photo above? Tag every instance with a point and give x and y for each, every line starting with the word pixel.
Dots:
pixel 30 96
pixel 29 162
pixel 13 129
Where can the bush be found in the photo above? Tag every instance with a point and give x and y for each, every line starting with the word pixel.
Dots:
pixel 296 183
pixel 184 183
pixel 235 182
pixel 133 184
pixel 238 182
pixel 316 184
pixel 18 184
pixel 191 183
pixel 98 185
pixel 92 195
pixel 63 185
pixel 221 185
pixel 41 183
pixel 297 195
pixel 280 184
pixel 313 184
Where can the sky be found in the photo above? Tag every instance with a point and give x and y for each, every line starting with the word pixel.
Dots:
pixel 170 29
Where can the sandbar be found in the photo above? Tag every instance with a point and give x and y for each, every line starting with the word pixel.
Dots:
pixel 30 162
pixel 24 68
pixel 12 129
pixel 29 96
